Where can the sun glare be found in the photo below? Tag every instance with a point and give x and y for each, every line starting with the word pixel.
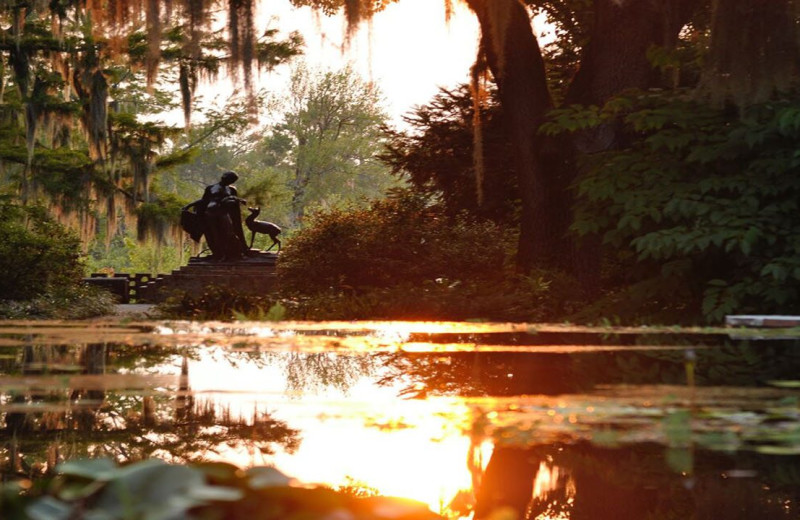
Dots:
pixel 361 438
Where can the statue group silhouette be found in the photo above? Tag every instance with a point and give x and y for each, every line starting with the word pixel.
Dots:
pixel 217 216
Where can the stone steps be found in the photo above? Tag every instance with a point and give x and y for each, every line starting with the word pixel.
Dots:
pixel 254 275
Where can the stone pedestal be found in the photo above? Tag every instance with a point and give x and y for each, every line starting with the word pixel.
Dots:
pixel 254 275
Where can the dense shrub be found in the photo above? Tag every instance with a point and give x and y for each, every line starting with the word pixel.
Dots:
pixel 404 258
pixel 216 303
pixel 399 239
pixel 36 253
pixel 73 302
pixel 517 298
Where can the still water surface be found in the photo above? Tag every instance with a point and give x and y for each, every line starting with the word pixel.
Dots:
pixel 542 421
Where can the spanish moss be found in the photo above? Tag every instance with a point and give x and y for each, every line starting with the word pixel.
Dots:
pixel 153 24
pixel 479 95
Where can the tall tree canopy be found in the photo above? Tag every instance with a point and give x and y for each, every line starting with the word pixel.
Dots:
pixel 98 64
pixel 751 53
pixel 331 122
pixel 316 149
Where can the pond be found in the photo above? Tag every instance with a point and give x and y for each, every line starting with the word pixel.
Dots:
pixel 473 419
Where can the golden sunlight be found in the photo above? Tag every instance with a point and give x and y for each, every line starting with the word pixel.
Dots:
pixel 362 437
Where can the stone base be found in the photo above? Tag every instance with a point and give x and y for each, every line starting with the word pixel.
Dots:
pixel 253 275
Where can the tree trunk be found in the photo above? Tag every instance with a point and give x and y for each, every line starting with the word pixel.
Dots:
pixel 754 51
pixel 507 482
pixel 298 204
pixel 614 60
pixel 515 60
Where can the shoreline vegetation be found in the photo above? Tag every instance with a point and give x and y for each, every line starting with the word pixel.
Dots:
pixel 401 258
pixel 549 188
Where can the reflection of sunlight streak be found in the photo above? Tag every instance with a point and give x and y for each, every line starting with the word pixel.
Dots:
pixel 409 448
pixel 371 337
pixel 417 461
pixel 546 479
pixel 395 331
pixel 376 327
pixel 549 478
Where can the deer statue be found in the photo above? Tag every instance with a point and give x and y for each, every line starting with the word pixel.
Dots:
pixel 261 226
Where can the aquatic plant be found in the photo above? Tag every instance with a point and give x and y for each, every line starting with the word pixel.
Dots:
pixel 151 489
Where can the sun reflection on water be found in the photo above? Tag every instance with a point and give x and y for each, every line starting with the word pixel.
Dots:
pixel 549 478
pixel 427 411
pixel 362 436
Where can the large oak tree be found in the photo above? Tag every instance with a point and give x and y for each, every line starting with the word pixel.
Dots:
pixel 752 52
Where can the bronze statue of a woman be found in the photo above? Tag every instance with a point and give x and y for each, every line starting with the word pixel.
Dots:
pixel 217 216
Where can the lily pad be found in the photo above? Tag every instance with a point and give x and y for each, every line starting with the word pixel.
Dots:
pixel 49 508
pixel 95 469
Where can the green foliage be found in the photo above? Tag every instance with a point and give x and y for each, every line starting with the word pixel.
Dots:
pixel 275 313
pixel 158 217
pixel 405 258
pixel 61 173
pixel 436 155
pixel 151 488
pixel 221 303
pixel 701 200
pixel 152 258
pixel 36 253
pixel 125 254
pixel 400 238
pixel 75 302
pixel 329 131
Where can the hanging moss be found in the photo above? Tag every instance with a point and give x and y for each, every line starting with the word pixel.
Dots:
pixel 137 142
pixel 155 220
pixel 65 59
pixel 153 24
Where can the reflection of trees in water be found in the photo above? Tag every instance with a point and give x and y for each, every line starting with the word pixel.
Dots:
pixel 719 362
pixel 726 363
pixel 306 372
pixel 632 483
pixel 477 374
pixel 43 426
pixel 318 371
pixel 591 482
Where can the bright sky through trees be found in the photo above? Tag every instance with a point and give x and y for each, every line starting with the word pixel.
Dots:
pixel 408 49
